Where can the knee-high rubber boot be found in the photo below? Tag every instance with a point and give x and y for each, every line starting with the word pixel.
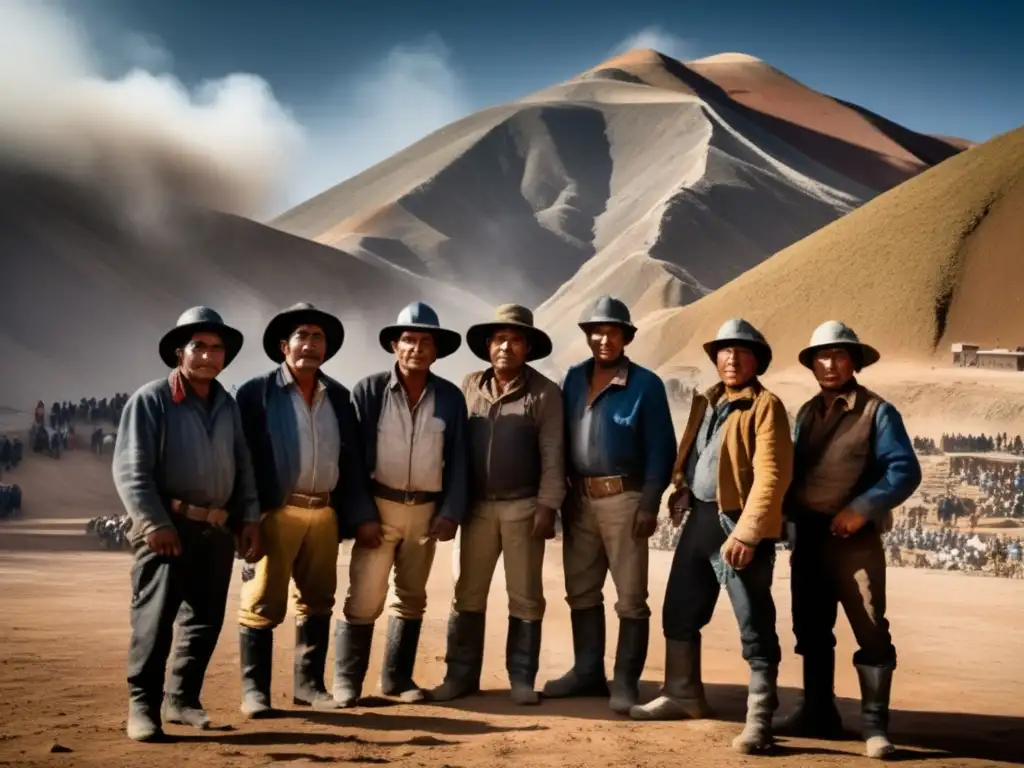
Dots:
pixel 682 696
pixel 816 715
pixel 256 648
pixel 630 655
pixel 311 639
pixel 587 676
pixel 875 688
pixel 464 657
pixel 522 659
pixel 352 644
pixel 762 701
pixel 399 660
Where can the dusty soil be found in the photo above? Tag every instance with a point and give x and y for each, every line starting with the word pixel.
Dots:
pixel 64 635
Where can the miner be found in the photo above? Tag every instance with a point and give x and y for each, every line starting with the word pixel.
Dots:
pixel 734 464
pixel 414 433
pixel 517 484
pixel 182 469
pixel 854 464
pixel 301 431
pixel 620 449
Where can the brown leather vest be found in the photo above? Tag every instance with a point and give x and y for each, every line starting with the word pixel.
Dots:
pixel 833 452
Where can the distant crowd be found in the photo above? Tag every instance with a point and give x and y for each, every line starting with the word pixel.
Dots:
pixel 982 443
pixel 1001 485
pixel 947 549
pixel 54 430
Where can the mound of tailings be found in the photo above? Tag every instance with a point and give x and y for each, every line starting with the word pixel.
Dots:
pixel 932 262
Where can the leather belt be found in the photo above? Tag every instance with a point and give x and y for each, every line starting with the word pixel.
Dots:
pixel 606 487
pixel 308 500
pixel 218 518
pixel 513 495
pixel 409 498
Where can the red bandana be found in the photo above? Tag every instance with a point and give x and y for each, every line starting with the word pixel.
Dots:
pixel 177 382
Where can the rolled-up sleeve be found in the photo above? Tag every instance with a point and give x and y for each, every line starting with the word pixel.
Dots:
pixel 136 456
pixel 897 465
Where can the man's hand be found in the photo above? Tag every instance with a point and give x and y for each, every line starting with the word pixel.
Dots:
pixel 164 542
pixel 848 522
pixel 544 523
pixel 442 528
pixel 248 543
pixel 369 535
pixel 737 554
pixel 679 503
pixel 644 524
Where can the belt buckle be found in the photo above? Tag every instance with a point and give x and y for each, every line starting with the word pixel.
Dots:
pixel 409 498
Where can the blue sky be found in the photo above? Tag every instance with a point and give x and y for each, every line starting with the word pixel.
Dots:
pixel 954 68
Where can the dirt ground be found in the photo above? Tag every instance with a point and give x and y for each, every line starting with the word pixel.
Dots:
pixel 64 634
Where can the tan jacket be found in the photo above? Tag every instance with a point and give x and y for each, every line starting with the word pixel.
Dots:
pixel 755 464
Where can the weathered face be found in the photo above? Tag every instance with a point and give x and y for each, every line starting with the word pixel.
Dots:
pixel 306 348
pixel 607 343
pixel 833 367
pixel 202 358
pixel 737 366
pixel 508 349
pixel 415 350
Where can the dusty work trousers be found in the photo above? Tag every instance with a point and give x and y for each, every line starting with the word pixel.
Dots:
pixel 827 570
pixel 598 538
pixel 370 569
pixel 501 529
pixel 299 544
pixel 192 587
pixel 693 589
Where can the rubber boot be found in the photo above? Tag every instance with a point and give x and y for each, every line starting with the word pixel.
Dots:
pixel 464 657
pixel 522 658
pixel 682 696
pixel 762 701
pixel 875 688
pixel 352 644
pixel 143 724
pixel 816 715
pixel 399 659
pixel 257 655
pixel 312 636
pixel 630 656
pixel 587 676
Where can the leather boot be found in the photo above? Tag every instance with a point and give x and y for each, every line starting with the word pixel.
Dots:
pixel 257 656
pixel 587 676
pixel 522 658
pixel 875 687
pixel 682 696
pixel 762 701
pixel 399 659
pixel 352 644
pixel 312 636
pixel 816 715
pixel 182 713
pixel 464 657
pixel 143 723
pixel 630 655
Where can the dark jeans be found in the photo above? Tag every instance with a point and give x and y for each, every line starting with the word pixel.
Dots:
pixel 828 570
pixel 193 588
pixel 693 590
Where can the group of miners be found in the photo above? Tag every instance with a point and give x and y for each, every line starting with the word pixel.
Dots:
pixel 296 462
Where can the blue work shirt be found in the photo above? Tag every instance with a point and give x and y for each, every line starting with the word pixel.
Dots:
pixel 626 430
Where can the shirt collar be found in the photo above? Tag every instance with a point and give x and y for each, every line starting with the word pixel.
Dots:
pixel 489 384
pixel 847 399
pixel 749 392
pixel 287 379
pixel 621 377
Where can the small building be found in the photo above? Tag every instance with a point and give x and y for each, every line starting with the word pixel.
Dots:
pixel 1001 359
pixel 965 355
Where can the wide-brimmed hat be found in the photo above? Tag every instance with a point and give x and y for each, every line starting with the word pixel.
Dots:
pixel 509 316
pixel 609 311
pixel 303 313
pixel 199 320
pixel 836 334
pixel 739 332
pixel 421 317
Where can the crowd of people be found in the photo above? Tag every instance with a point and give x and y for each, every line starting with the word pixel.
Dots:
pixel 982 443
pixel 949 549
pixel 1001 484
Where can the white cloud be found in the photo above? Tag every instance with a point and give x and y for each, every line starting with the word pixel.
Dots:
pixel 143 137
pixel 660 40
pixel 376 112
